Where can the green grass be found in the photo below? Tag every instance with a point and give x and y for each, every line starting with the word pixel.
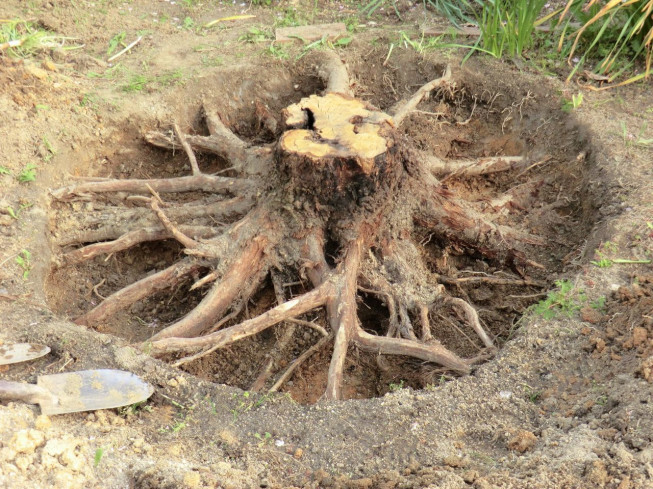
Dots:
pixel 21 38
pixel 564 301
pixel 507 26
pixel 616 33
pixel 28 173
pixel 24 261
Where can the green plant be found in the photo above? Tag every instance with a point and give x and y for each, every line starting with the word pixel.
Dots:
pixel 263 439
pixel 276 52
pixel 22 38
pixel 607 263
pixel 531 394
pixel 24 261
pixel 50 149
pixel 255 35
pixel 631 139
pixel 564 301
pixel 246 402
pixel 456 11
pixel 135 408
pixel 371 7
pixel 396 387
pixel 4 170
pixel 115 42
pixel 574 103
pixel 16 213
pixel 98 456
pixel 28 173
pixel 611 30
pixel 507 26
pixel 288 17
pixel 188 23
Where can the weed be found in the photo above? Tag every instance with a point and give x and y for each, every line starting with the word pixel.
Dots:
pixel 39 107
pixel 574 103
pixel 288 17
pixel 598 304
pixel 607 263
pixel 631 139
pixel 396 387
pixel 277 52
pixel 50 149
pixel 188 23
pixel 264 439
pixel 24 261
pixel 454 10
pixel 28 173
pixel 255 35
pixel 115 42
pixel 4 170
pixel 21 38
pixel 135 408
pixel 564 301
pixel 16 213
pixel 371 7
pixel 245 403
pixel 618 32
pixel 531 394
pixel 98 456
pixel 507 26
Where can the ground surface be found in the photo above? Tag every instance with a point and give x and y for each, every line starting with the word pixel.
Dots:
pixel 567 402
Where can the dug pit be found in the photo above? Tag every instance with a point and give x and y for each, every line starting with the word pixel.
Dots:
pixel 265 243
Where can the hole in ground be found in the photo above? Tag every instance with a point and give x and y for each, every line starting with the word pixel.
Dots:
pixel 478 118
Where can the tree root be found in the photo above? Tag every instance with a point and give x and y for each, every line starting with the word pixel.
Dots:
pixel 139 290
pixel 346 192
pixel 403 109
pixel 207 183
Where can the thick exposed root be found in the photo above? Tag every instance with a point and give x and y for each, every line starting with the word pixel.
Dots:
pixel 249 266
pixel 289 309
pixel 442 213
pixel 403 109
pixel 246 159
pixel 207 183
pixel 467 168
pixel 132 238
pixel 142 289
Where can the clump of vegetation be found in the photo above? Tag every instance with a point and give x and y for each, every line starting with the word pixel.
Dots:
pixel 616 32
pixel 22 38
pixel 564 301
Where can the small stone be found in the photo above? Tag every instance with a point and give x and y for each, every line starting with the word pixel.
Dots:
pixel 298 453
pixel 23 461
pixel 26 441
pixel 590 315
pixel 192 479
pixel 49 65
pixel 455 461
pixel 522 441
pixel 173 383
pixel 469 476
pixel 42 423
pixel 36 72
pixel 597 474
pixel 646 369
pixel 639 336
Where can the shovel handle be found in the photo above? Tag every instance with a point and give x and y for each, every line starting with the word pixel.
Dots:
pixel 29 393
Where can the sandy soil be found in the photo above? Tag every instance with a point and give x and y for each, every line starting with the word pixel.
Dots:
pixel 568 400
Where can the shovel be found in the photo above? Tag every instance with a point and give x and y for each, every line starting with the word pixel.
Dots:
pixel 21 352
pixel 86 390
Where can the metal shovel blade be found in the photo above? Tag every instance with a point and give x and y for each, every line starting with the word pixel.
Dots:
pixel 21 352
pixel 89 390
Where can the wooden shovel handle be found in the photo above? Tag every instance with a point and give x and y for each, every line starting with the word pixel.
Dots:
pixel 29 393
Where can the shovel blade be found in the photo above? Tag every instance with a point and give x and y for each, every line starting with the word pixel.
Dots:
pixel 89 390
pixel 21 352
